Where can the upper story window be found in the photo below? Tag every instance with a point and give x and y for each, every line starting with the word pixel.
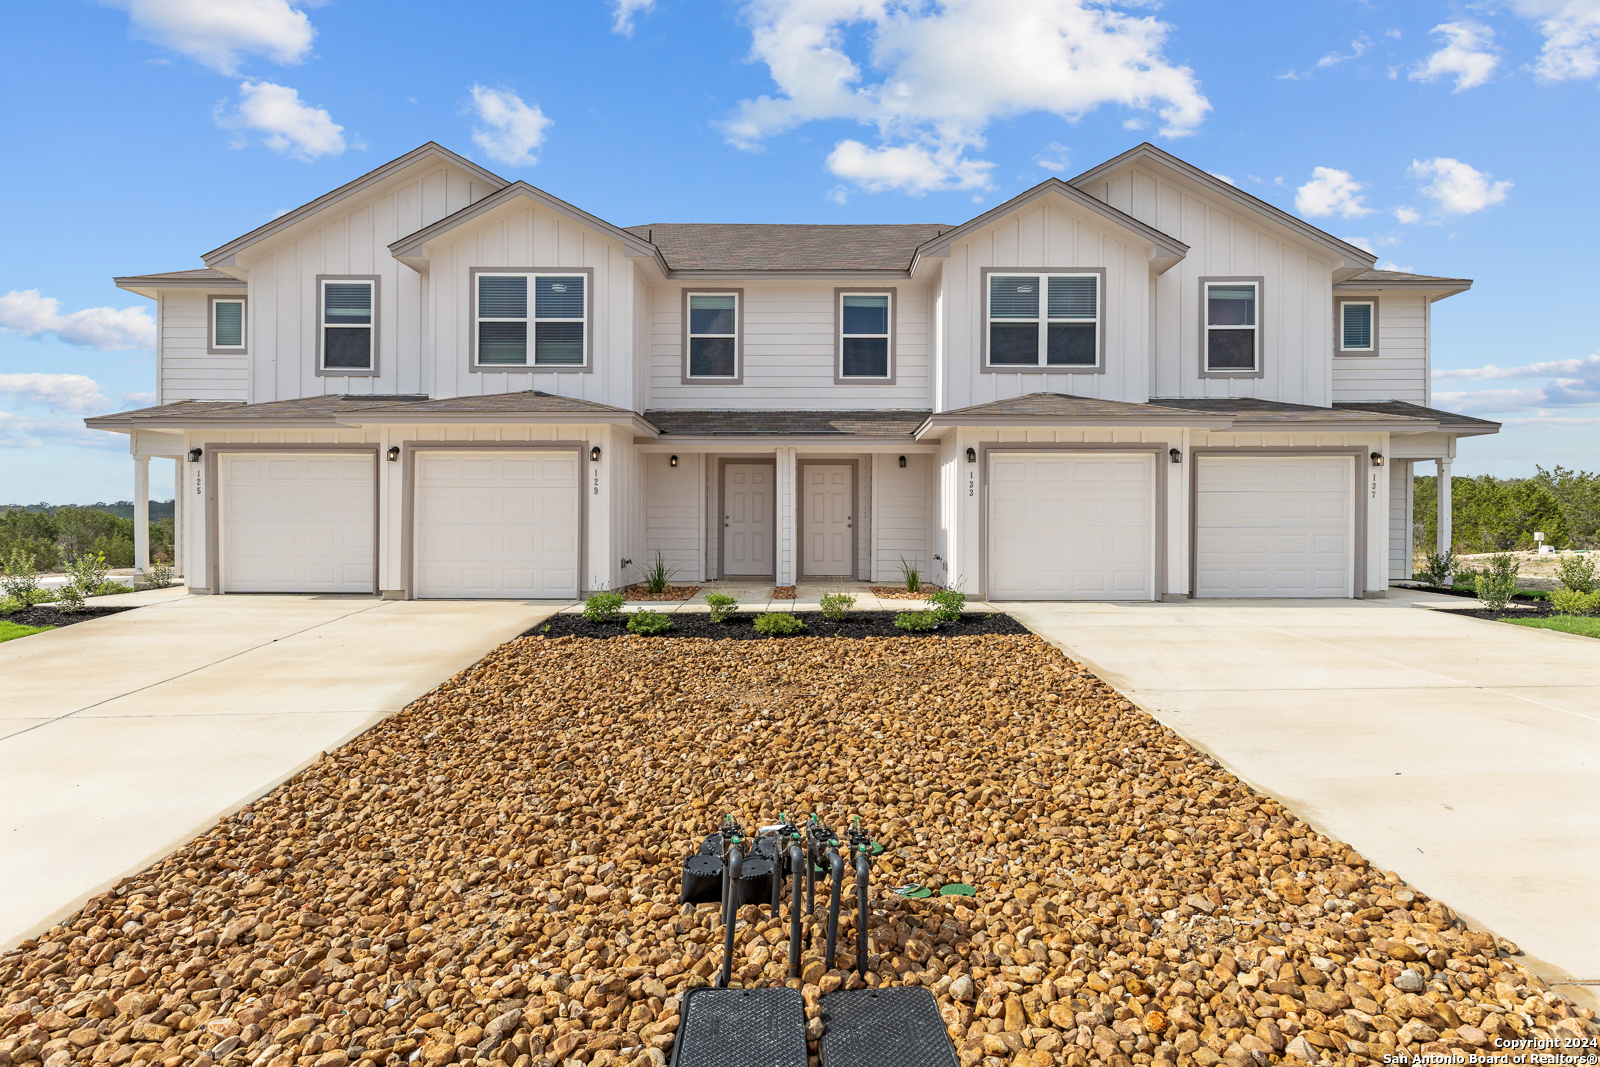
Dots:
pixel 712 325
pixel 1358 327
pixel 1230 328
pixel 865 343
pixel 348 331
pixel 554 322
pixel 1049 319
pixel 226 327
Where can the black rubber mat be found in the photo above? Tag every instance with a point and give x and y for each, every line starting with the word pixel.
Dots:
pixel 741 1028
pixel 898 1027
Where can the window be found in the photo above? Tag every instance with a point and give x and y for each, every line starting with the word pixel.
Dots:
pixel 558 321
pixel 712 333
pixel 866 334
pixel 348 323
pixel 227 324
pixel 1231 328
pixel 1049 319
pixel 1356 332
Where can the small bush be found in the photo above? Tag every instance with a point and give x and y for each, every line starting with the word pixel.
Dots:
pixel 19 580
pixel 947 604
pixel 722 605
pixel 1436 569
pixel 159 574
pixel 85 575
pixel 1577 573
pixel 658 574
pixel 1497 585
pixel 649 623
pixel 1575 602
pixel 916 621
pixel 603 607
pixel 778 624
pixel 911 574
pixel 834 605
pixel 108 588
pixel 70 597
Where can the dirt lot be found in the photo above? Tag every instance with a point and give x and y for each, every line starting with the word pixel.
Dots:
pixel 491 875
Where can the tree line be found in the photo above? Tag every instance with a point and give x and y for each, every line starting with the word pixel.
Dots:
pixel 56 534
pixel 1502 514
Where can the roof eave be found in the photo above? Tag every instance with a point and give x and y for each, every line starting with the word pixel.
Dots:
pixel 518 418
pixel 1392 425
pixel 1443 287
pixel 146 286
pixel 945 422
pixel 817 274
pixel 743 441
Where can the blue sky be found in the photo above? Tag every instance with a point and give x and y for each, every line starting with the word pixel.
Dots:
pixel 1451 138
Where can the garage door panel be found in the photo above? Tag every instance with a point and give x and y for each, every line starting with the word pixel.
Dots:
pixel 1269 526
pixel 296 523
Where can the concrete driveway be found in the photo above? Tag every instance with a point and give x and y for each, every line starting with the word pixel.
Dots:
pixel 1464 755
pixel 125 736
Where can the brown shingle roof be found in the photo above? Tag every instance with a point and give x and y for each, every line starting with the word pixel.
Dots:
pixel 1065 405
pixel 1398 279
pixel 712 423
pixel 183 279
pixel 1248 410
pixel 1447 420
pixel 335 406
pixel 784 246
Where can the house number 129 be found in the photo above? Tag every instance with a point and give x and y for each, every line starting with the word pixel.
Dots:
pixel 596 483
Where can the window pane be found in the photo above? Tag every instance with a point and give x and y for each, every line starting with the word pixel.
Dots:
pixel 711 357
pixel 558 298
pixel 230 323
pixel 558 342
pixel 711 314
pixel 1013 297
pixel 1358 325
pixel 866 314
pixel 1230 305
pixel 1231 349
pixel 502 298
pixel 1072 346
pixel 1073 298
pixel 1013 344
pixel 347 302
pixel 503 342
pixel 865 357
pixel 347 349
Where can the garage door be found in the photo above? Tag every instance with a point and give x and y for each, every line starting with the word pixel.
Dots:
pixel 1275 526
pixel 1071 526
pixel 296 522
pixel 496 524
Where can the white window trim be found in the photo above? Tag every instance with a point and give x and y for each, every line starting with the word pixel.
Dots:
pixel 371 369
pixel 737 377
pixel 1338 324
pixel 1044 320
pixel 1206 370
pixel 839 376
pixel 529 367
pixel 212 348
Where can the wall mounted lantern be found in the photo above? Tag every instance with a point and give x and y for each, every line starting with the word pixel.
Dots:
pixel 194 455
pixel 594 454
pixel 902 462
pixel 673 462
pixel 394 453
pixel 1176 454
pixel 1377 459
pixel 972 455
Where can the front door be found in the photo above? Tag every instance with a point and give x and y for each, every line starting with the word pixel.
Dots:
pixel 828 535
pixel 747 536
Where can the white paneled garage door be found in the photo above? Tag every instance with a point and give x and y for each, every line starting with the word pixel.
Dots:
pixel 1275 526
pixel 496 524
pixel 296 522
pixel 1071 526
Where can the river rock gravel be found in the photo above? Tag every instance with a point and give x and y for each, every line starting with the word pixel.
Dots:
pixel 491 877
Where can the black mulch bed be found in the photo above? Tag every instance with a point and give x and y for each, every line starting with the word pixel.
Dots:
pixel 741 626
pixel 1516 598
pixel 47 615
pixel 1539 610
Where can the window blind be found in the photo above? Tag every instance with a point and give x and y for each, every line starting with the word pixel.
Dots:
pixel 1358 326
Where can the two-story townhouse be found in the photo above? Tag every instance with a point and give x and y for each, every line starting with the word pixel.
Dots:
pixel 1141 384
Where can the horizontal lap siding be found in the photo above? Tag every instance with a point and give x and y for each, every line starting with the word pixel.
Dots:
pixel 672 515
pixel 187 371
pixel 902 520
pixel 1400 521
pixel 1400 369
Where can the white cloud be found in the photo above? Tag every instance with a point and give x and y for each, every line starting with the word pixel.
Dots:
pixel 944 73
pixel 624 10
pixel 1587 367
pixel 34 431
pixel 1456 187
pixel 138 400
pixel 1468 54
pixel 1223 178
pixel 108 329
pixel 1571 30
pixel 70 392
pixel 1358 48
pixel 220 33
pixel 1407 215
pixel 1572 383
pixel 1390 264
pixel 292 127
pixel 1331 192
pixel 1054 157
pixel 1363 243
pixel 511 130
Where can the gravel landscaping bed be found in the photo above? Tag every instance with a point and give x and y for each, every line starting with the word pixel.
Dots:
pixel 671 592
pixel 47 615
pixel 491 876
pixel 741 626
pixel 899 592
pixel 784 592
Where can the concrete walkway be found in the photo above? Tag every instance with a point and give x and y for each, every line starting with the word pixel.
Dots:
pixel 124 736
pixel 1462 754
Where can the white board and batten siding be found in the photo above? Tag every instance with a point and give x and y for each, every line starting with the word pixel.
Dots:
pixel 1400 369
pixel 188 371
pixel 297 522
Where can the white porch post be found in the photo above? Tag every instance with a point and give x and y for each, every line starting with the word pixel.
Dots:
pixel 141 513
pixel 1446 534
pixel 177 516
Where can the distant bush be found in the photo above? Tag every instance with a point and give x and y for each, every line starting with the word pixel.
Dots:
pixel 778 624
pixel 20 580
pixel 1574 602
pixel 1497 585
pixel 1577 573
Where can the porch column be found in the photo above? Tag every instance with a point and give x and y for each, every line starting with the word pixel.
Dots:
pixel 1446 534
pixel 177 516
pixel 787 536
pixel 141 513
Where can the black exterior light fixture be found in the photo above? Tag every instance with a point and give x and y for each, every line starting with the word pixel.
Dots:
pixel 394 453
pixel 673 462
pixel 1176 454
pixel 194 455
pixel 902 462
pixel 1377 459
pixel 972 455
pixel 594 454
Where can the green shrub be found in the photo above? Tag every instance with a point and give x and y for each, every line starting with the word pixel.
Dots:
pixel 109 588
pixel 778 624
pixel 603 607
pixel 911 574
pixel 722 605
pixel 19 580
pixel 649 623
pixel 1575 602
pixel 834 605
pixel 947 604
pixel 1436 569
pixel 158 574
pixel 117 549
pixel 658 575
pixel 916 621
pixel 1577 573
pixel 1497 585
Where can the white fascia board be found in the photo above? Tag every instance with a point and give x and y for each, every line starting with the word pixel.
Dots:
pixel 144 287
pixel 439 418
pixel 733 442
pixel 939 425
